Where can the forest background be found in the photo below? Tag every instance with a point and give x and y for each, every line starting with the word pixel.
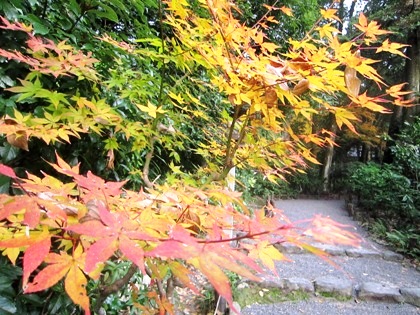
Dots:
pixel 123 121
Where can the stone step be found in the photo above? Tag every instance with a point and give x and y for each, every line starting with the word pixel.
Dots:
pixel 342 251
pixel 356 269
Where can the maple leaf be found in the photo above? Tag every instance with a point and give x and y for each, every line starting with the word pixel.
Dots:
pixel 133 252
pixel 330 14
pixel 114 231
pixel 371 29
pixel 21 203
pixel 182 274
pixel 34 256
pixel 287 11
pixel 343 116
pixel 64 168
pixel 216 276
pixel 60 266
pixel 75 285
pixel 96 187
pixel 370 103
pixel 151 109
pixel 393 48
pixel 267 254
pixel 15 26
pixel 100 252
pixel 7 171
pixel 328 231
pixel 396 90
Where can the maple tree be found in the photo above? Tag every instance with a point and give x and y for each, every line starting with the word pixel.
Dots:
pixel 68 225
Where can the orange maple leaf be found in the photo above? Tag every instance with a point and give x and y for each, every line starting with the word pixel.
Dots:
pixel 328 231
pixel 60 266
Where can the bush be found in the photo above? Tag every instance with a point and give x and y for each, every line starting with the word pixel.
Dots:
pixel 309 183
pixel 383 191
pixel 254 187
pixel 387 195
pixel 406 151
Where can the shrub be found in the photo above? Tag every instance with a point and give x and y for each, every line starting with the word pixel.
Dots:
pixel 387 195
pixel 383 191
pixel 255 186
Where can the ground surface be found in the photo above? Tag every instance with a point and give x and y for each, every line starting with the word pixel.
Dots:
pixel 371 279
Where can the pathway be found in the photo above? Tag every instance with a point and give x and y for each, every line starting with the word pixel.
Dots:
pixel 372 279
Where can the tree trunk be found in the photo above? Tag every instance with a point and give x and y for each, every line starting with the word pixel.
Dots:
pixel 366 153
pixel 326 168
pixel 412 71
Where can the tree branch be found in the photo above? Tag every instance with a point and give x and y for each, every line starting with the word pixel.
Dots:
pixel 105 291
pixel 146 166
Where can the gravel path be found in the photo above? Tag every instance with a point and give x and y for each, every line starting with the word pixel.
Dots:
pixel 373 278
pixel 331 307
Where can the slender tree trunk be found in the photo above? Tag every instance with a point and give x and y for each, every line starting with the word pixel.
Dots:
pixel 366 153
pixel 413 73
pixel 329 154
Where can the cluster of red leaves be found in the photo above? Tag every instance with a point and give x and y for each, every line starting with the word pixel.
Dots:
pixel 58 60
pixel 70 230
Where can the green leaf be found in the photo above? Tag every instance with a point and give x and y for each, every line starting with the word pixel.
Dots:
pixel 118 4
pixel 4 184
pixel 8 153
pixel 10 11
pixel 7 306
pixel 37 23
pixel 6 81
pixel 27 89
pixel 74 7
pixel 107 13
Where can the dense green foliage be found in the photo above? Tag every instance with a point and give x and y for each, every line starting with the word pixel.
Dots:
pixel 390 193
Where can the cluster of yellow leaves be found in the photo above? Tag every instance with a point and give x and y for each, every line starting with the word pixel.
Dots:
pixel 266 84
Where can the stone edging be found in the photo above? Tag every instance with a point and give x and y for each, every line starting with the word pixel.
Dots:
pixel 342 287
pixel 346 289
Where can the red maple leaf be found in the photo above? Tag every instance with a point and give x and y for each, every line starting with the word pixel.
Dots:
pixel 114 231
pixel 7 171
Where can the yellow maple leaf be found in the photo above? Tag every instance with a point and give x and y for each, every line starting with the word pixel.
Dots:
pixel 267 253
pixel 370 103
pixel 371 29
pixel 392 48
pixel 327 31
pixel 151 109
pixel 330 14
pixel 287 11
pixel 344 116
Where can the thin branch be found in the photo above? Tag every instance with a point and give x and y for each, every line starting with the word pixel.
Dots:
pixel 146 166
pixel 44 9
pixel 107 290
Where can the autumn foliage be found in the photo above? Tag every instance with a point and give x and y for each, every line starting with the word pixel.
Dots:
pixel 67 225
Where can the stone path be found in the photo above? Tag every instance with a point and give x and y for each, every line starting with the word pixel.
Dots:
pixel 371 278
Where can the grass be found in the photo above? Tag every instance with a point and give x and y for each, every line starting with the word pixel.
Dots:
pixel 255 294
pixel 335 296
